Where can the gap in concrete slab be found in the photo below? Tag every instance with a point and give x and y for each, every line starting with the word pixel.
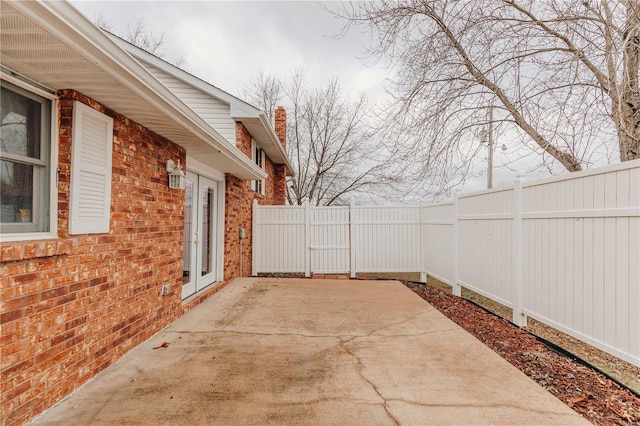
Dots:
pixel 329 277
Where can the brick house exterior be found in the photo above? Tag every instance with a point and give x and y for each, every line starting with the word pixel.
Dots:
pixel 74 305
pixel 240 198
pixel 280 171
pixel 244 126
pixel 71 304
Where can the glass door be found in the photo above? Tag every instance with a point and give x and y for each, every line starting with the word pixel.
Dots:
pixel 207 219
pixel 200 234
pixel 190 232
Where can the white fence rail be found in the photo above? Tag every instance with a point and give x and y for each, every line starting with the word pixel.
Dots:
pixel 563 250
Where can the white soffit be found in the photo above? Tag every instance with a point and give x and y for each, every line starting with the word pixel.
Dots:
pixel 54 45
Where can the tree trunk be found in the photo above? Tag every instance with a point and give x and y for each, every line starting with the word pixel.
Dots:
pixel 567 159
pixel 627 113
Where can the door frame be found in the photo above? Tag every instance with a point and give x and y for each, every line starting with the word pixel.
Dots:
pixel 200 169
pixel 202 281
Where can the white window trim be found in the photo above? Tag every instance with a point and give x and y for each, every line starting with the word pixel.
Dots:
pixel 263 159
pixel 52 233
pixel 262 166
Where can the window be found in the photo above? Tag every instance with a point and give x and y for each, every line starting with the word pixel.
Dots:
pixel 258 155
pixel 25 163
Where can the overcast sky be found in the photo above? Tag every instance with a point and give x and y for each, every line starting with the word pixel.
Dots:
pixel 227 43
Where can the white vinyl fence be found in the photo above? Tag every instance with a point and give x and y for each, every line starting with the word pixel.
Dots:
pixel 326 240
pixel 563 250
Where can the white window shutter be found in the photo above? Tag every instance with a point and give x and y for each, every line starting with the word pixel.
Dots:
pixel 91 151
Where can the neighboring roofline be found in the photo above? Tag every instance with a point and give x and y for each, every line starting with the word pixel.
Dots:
pixel 277 142
pixel 68 23
pixel 239 109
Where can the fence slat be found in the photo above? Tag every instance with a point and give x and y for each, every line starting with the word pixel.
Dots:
pixel 563 250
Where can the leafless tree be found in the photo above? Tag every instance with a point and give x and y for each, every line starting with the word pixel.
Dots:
pixel 138 34
pixel 266 91
pixel 331 145
pixel 101 21
pixel 561 76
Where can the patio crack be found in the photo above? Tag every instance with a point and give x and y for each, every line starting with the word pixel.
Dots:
pixel 404 321
pixel 385 405
pixel 257 333
pixel 527 409
pixel 336 336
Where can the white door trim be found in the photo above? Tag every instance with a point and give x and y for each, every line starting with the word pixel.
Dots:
pixel 198 173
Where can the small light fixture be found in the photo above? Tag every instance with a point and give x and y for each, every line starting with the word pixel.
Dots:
pixel 177 178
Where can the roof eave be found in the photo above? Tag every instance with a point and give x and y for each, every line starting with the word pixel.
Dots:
pixel 240 111
pixel 73 29
pixel 284 159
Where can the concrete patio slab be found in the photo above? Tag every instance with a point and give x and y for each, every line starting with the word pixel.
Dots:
pixel 309 352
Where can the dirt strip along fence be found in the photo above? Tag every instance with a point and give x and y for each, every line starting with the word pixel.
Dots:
pixel 563 250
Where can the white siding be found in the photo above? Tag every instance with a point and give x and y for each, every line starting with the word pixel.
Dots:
pixel 215 112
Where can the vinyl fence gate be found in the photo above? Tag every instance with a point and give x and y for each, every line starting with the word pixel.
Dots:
pixel 336 240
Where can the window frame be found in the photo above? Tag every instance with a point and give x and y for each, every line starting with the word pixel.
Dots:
pixel 258 156
pixel 48 162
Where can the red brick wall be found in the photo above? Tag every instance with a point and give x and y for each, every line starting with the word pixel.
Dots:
pixel 239 197
pixel 238 201
pixel 279 185
pixel 270 185
pixel 280 177
pixel 280 125
pixel 74 305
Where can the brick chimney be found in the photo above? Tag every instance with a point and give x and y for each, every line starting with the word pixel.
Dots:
pixel 280 178
pixel 280 125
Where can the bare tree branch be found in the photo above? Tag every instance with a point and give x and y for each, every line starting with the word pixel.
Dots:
pixel 564 76
pixel 331 144
pixel 266 91
pixel 138 34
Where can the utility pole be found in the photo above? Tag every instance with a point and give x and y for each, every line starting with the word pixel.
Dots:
pixel 490 146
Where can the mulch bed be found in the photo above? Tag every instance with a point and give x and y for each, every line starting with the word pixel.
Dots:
pixel 597 398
